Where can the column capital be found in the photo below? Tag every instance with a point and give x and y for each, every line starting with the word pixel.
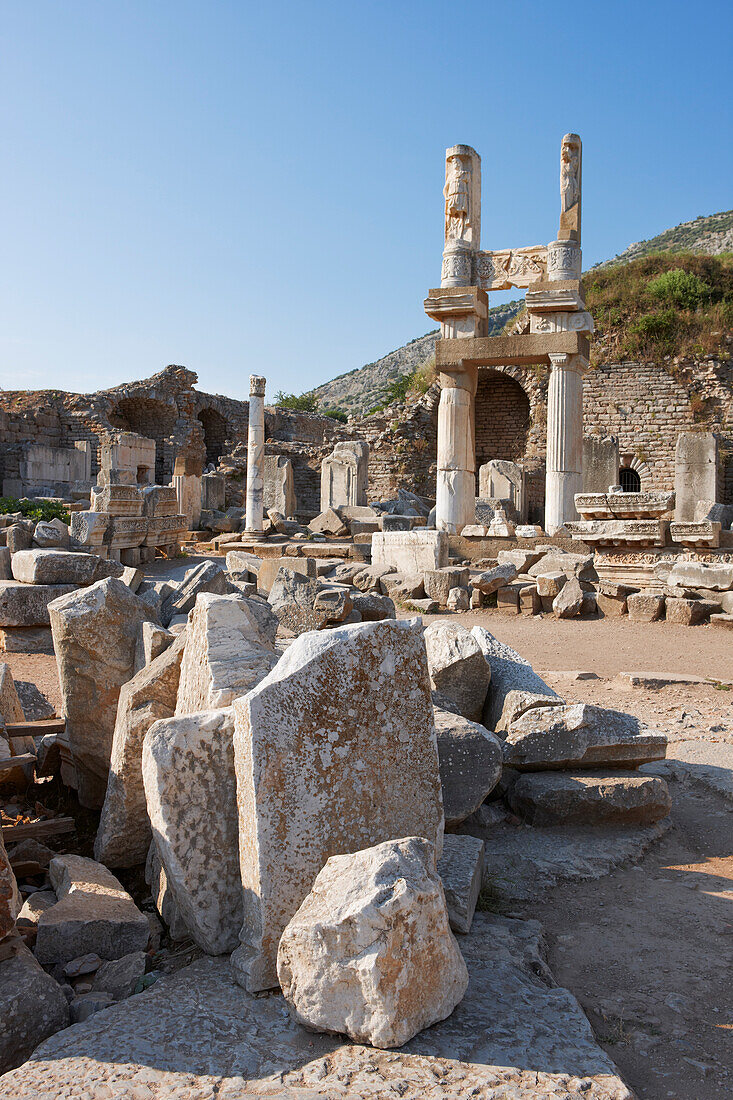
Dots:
pixel 459 376
pixel 562 361
pixel 257 385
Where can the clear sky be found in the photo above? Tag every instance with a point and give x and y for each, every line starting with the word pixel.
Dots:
pixel 256 187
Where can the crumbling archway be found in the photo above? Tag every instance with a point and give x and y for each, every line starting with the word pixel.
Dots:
pixel 152 419
pixel 216 432
pixel 503 418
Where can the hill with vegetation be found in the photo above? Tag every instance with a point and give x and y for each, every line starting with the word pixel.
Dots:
pixel 710 236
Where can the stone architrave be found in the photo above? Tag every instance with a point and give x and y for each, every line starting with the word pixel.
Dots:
pixel 335 751
pixel 124 836
pixel 193 813
pixel 345 476
pixel 279 485
pixel 410 552
pixel 696 474
pixel 256 454
pixel 456 479
pixel 503 480
pixel 95 632
pixel 600 463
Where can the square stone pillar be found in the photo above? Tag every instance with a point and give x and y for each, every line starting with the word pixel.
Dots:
pixel 564 477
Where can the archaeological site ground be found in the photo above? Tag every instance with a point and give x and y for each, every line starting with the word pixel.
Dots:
pixel 377 741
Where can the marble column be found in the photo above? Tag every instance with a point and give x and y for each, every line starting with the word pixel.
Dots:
pixel 564 476
pixel 256 455
pixel 455 496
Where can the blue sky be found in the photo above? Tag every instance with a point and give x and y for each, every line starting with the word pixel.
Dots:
pixel 249 187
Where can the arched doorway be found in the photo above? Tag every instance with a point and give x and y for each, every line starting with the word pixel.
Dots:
pixel 216 431
pixel 629 480
pixel 150 418
pixel 502 418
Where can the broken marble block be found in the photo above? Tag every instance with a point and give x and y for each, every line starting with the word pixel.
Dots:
pixel 94 913
pixel 26 605
pixel 162 894
pixel 370 952
pixel 461 869
pixel 580 736
pixel 590 798
pixel 193 813
pixel 568 603
pixel 439 582
pixel 124 835
pixel 208 576
pixel 32 1007
pixel 226 654
pixel 305 603
pixel 457 666
pixel 95 633
pixel 151 642
pixel 509 672
pixel 62 567
pixel 372 607
pixel 119 977
pixel 334 751
pixel 645 607
pixel 493 579
pixel 470 764
pixel 517 702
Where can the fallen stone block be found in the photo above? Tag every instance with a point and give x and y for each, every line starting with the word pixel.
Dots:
pixel 334 751
pixel 438 583
pixel 62 567
pixel 328 523
pixel 165 903
pixel 509 672
pixel 470 764
pixel 88 1004
pixel 305 603
pixel 689 612
pixel 373 607
pixel 93 914
pixel 530 602
pixel 10 901
pixel 206 577
pixel 589 798
pixel 26 605
pixel 270 567
pixel 645 607
pixel 95 633
pixel 549 584
pixel 507 598
pixel 517 702
pixel 724 621
pixel 520 559
pixel 10 708
pixel 580 736
pixel 369 578
pixel 19 536
pixel 118 977
pixel 55 533
pixel 491 580
pixel 193 813
pixel 226 654
pixel 410 552
pixel 124 836
pixel 330 973
pixel 568 603
pixel 427 607
pixel 457 667
pixel 572 565
pixel 151 642
pixel 698 574
pixel 32 1007
pixel 461 868
pixel 6 572
pixel 612 605
pixel 30 913
pixel 242 566
pixel 459 599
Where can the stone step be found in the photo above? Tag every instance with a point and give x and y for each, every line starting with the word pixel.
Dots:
pixel 590 798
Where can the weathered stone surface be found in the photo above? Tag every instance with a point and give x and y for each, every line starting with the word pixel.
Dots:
pixel 645 607
pixel 151 642
pixel 438 583
pixel 370 577
pixel 19 536
pixel 193 813
pixel 62 567
pixel 208 576
pixel 400 588
pixel 723 621
pixel 470 764
pixel 26 639
pixel 612 605
pixel 591 798
pixel 411 551
pixel 520 559
pixel 30 914
pixel 9 897
pixel 689 612
pixel 52 534
pixel 512 1015
pixel 270 568
pixel 549 584
pixel 32 1007
pixel 6 572
pixel 226 654
pixel 580 736
pixel 698 574
pixel 95 633
pixel 372 607
pixel 162 894
pixel 427 607
pixel 328 523
pixel 461 869
pixel 493 579
pixel 572 565
pixel 242 566
pixel 509 672
pixel 118 977
pixel 93 913
pixel 370 953
pixel 457 667
pixel 517 702
pixel 459 599
pixel 124 836
pixel 305 603
pixel 568 602
pixel 26 604
pixel 335 751
pixel 10 708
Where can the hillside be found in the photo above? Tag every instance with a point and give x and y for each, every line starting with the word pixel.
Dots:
pixel 708 236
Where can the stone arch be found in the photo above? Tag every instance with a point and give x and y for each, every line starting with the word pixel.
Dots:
pixel 641 468
pixel 216 432
pixel 503 417
pixel 153 419
pixel 629 480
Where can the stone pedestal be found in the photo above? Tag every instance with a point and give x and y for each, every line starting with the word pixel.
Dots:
pixel 564 476
pixel 456 483
pixel 256 454
pixel 188 492
pixel 695 472
pixel 345 476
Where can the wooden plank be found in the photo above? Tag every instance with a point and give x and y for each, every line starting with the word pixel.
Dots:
pixel 36 729
pixel 52 826
pixel 17 762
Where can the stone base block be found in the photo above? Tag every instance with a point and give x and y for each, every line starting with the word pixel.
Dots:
pixel 590 798
pixel 645 607
pixel 613 607
pixel 461 869
pixel 26 639
pixel 689 612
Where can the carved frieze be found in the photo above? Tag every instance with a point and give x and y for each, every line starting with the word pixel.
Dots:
pixel 561 322
pixel 508 267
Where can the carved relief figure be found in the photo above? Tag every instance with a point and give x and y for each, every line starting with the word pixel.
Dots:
pixel 569 172
pixel 457 205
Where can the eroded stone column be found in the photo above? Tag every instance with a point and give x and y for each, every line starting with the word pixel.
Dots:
pixel 455 503
pixel 256 454
pixel 564 476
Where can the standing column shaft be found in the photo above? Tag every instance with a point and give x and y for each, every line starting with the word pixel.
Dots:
pixel 256 454
pixel 455 503
pixel 564 476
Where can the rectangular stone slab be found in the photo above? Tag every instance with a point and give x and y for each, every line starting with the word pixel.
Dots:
pixel 335 751
pixel 461 869
pixel 62 567
pixel 27 604
pixel 410 551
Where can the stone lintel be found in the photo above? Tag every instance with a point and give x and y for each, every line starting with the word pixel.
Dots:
pixel 451 301
pixel 544 286
pixel 568 299
pixel 487 351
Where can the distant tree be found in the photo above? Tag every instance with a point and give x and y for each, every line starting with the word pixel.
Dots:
pixel 304 402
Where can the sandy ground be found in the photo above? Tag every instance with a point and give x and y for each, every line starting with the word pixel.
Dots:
pixel 648 949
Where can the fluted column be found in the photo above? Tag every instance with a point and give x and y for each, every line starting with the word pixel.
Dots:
pixel 564 476
pixel 256 454
pixel 455 497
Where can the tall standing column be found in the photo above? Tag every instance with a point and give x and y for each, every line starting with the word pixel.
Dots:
pixel 564 476
pixel 256 454
pixel 455 497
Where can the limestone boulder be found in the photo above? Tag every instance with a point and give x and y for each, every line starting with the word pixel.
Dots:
pixel 32 1007
pixel 522 560
pixel 208 576
pixel 645 607
pixel 26 605
pixel 334 751
pixel 328 523
pixel 461 869
pixel 685 612
pixel 509 672
pixel 124 835
pixel 62 567
pixel 459 599
pixel 306 603
pixel 457 667
pixel 470 764
pixel 193 813
pixel 370 953
pixel 580 736
pixel 401 588
pixel 698 574
pixel 549 584
pixel 590 798
pixel 242 566
pixel 491 580
pixel 94 913
pixel 373 607
pixel 568 603
pixel 54 534
pixel 517 702
pixel 95 632
pixel 19 536
pixel 370 577
pixel 555 561
pixel 439 582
